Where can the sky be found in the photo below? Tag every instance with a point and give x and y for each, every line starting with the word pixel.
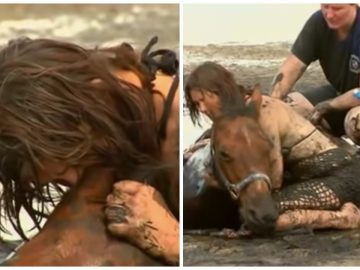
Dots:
pixel 244 23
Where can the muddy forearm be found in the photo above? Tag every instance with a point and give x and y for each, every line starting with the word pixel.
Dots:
pixel 347 218
pixel 163 240
pixel 317 219
pixel 138 213
pixel 347 100
pixel 169 247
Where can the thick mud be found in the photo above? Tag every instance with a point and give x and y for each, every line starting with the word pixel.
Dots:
pixel 253 64
pixel 250 64
pixel 330 248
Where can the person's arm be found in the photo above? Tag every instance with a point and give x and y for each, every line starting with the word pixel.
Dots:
pixel 304 51
pixel 290 71
pixel 138 213
pixel 345 101
pixel 348 217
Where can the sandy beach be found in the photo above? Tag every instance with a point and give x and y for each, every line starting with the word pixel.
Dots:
pixel 254 56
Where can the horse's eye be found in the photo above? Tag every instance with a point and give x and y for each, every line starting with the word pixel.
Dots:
pixel 224 156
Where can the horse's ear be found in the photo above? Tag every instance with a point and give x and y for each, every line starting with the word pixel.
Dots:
pixel 255 99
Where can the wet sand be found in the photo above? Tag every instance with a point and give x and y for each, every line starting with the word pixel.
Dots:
pixel 329 248
pixel 253 64
pixel 250 64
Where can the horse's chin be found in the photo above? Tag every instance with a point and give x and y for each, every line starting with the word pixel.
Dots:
pixel 256 227
pixel 260 229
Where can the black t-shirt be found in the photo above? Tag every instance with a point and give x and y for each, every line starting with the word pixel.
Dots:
pixel 340 60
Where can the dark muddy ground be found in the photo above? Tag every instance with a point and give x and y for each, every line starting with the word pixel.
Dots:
pixel 258 64
pixel 330 248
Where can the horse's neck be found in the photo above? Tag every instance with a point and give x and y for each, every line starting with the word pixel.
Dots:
pixel 92 189
pixel 96 183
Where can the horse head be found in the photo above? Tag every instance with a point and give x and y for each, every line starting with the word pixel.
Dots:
pixel 242 162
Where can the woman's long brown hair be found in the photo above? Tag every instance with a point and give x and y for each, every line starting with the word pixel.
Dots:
pixel 212 77
pixel 61 102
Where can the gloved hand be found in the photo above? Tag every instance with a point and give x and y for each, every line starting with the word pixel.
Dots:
pixel 320 110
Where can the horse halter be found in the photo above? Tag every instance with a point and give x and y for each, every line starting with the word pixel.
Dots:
pixel 235 189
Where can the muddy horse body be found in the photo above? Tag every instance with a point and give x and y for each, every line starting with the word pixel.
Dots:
pixel 321 181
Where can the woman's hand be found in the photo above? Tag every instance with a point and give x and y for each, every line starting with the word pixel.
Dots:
pixel 138 213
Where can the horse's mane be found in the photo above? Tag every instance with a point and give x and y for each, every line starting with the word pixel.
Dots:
pixel 238 109
pixel 61 102
pixel 236 106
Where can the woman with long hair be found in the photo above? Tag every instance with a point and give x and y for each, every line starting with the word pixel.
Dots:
pixel 65 109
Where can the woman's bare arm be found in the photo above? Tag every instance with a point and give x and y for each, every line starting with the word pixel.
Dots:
pixel 346 218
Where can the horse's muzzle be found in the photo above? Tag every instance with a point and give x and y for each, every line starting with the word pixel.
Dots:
pixel 266 226
pixel 260 219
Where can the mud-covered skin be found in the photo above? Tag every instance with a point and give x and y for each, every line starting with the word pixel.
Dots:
pixel 348 217
pixel 138 212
